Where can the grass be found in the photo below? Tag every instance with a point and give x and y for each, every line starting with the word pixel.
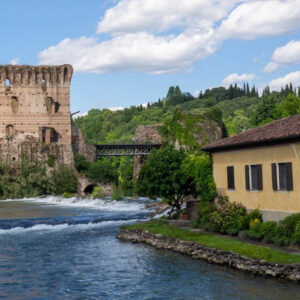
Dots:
pixel 226 244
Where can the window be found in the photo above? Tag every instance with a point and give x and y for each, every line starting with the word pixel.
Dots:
pixel 282 176
pixel 230 178
pixel 253 177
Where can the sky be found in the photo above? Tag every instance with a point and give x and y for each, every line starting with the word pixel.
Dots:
pixel 129 52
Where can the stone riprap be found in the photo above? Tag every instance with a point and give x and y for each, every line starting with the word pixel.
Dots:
pixel 212 255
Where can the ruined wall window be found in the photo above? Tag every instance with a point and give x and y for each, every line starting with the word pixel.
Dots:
pixel 52 106
pixel 65 75
pixel 43 85
pixel 49 135
pixel 14 104
pixel 7 84
pixel 10 132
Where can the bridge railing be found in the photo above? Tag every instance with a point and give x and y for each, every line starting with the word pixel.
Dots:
pixel 125 149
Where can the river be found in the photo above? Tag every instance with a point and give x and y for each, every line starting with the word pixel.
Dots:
pixel 54 248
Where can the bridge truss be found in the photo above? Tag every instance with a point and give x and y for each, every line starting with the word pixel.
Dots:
pixel 125 150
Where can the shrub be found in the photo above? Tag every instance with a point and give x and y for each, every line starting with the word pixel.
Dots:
pixel 205 210
pixel 116 193
pixel 64 180
pixel 81 164
pixel 102 171
pixel 51 161
pixel 282 237
pixel 253 234
pixel 68 195
pixel 269 230
pixel 228 217
pixel 97 192
pixel 254 214
pixel 289 223
pixel 296 235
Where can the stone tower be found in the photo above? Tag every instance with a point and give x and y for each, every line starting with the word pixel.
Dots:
pixel 35 106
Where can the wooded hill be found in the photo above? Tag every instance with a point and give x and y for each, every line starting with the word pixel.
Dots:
pixel 240 108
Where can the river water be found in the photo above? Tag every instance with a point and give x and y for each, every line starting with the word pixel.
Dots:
pixel 54 248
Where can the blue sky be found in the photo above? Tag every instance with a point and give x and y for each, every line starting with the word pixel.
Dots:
pixel 129 52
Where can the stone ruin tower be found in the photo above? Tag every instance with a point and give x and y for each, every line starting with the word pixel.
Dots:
pixel 35 112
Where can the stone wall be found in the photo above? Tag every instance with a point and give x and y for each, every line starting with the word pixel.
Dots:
pixel 32 148
pixel 35 112
pixel 80 146
pixel 34 99
pixel 212 255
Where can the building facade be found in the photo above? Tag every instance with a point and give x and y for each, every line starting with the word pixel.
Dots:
pixel 35 111
pixel 261 167
pixel 36 101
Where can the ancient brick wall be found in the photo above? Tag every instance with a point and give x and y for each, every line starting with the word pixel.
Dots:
pixel 35 111
pixel 36 101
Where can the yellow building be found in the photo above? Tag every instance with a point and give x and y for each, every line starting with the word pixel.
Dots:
pixel 261 167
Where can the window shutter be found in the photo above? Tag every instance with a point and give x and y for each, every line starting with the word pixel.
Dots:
pixel 259 178
pixel 289 176
pixel 274 177
pixel 247 178
pixel 230 178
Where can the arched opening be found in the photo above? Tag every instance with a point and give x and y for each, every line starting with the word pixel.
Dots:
pixel 52 106
pixel 7 84
pixel 43 84
pixel 49 135
pixel 14 104
pixel 10 132
pixel 89 189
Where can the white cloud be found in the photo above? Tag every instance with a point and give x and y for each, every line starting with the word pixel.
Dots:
pixel 278 83
pixel 116 108
pixel 235 78
pixel 162 36
pixel 130 16
pixel 256 19
pixel 138 51
pixel 271 67
pixel 15 61
pixel 285 55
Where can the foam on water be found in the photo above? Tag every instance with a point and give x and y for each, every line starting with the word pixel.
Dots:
pixel 59 227
pixel 108 205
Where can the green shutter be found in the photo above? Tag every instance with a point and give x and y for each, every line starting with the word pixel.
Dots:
pixel 259 178
pixel 289 176
pixel 274 177
pixel 247 178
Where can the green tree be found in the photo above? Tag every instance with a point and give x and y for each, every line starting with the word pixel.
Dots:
pixel 199 167
pixel 265 110
pixel 162 176
pixel 64 180
pixel 289 106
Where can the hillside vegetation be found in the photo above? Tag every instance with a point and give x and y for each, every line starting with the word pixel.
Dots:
pixel 241 108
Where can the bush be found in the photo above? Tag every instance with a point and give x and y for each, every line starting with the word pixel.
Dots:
pixel 229 217
pixel 102 171
pixel 97 192
pixel 269 230
pixel 205 210
pixel 282 237
pixel 68 195
pixel 117 193
pixel 81 164
pixel 254 214
pixel 64 180
pixel 51 161
pixel 289 223
pixel 253 234
pixel 296 235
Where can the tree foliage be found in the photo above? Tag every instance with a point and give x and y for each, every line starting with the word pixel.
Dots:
pixel 162 176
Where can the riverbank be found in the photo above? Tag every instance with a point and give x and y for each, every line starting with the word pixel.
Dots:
pixel 239 255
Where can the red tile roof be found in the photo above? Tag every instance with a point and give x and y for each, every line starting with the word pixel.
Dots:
pixel 283 130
